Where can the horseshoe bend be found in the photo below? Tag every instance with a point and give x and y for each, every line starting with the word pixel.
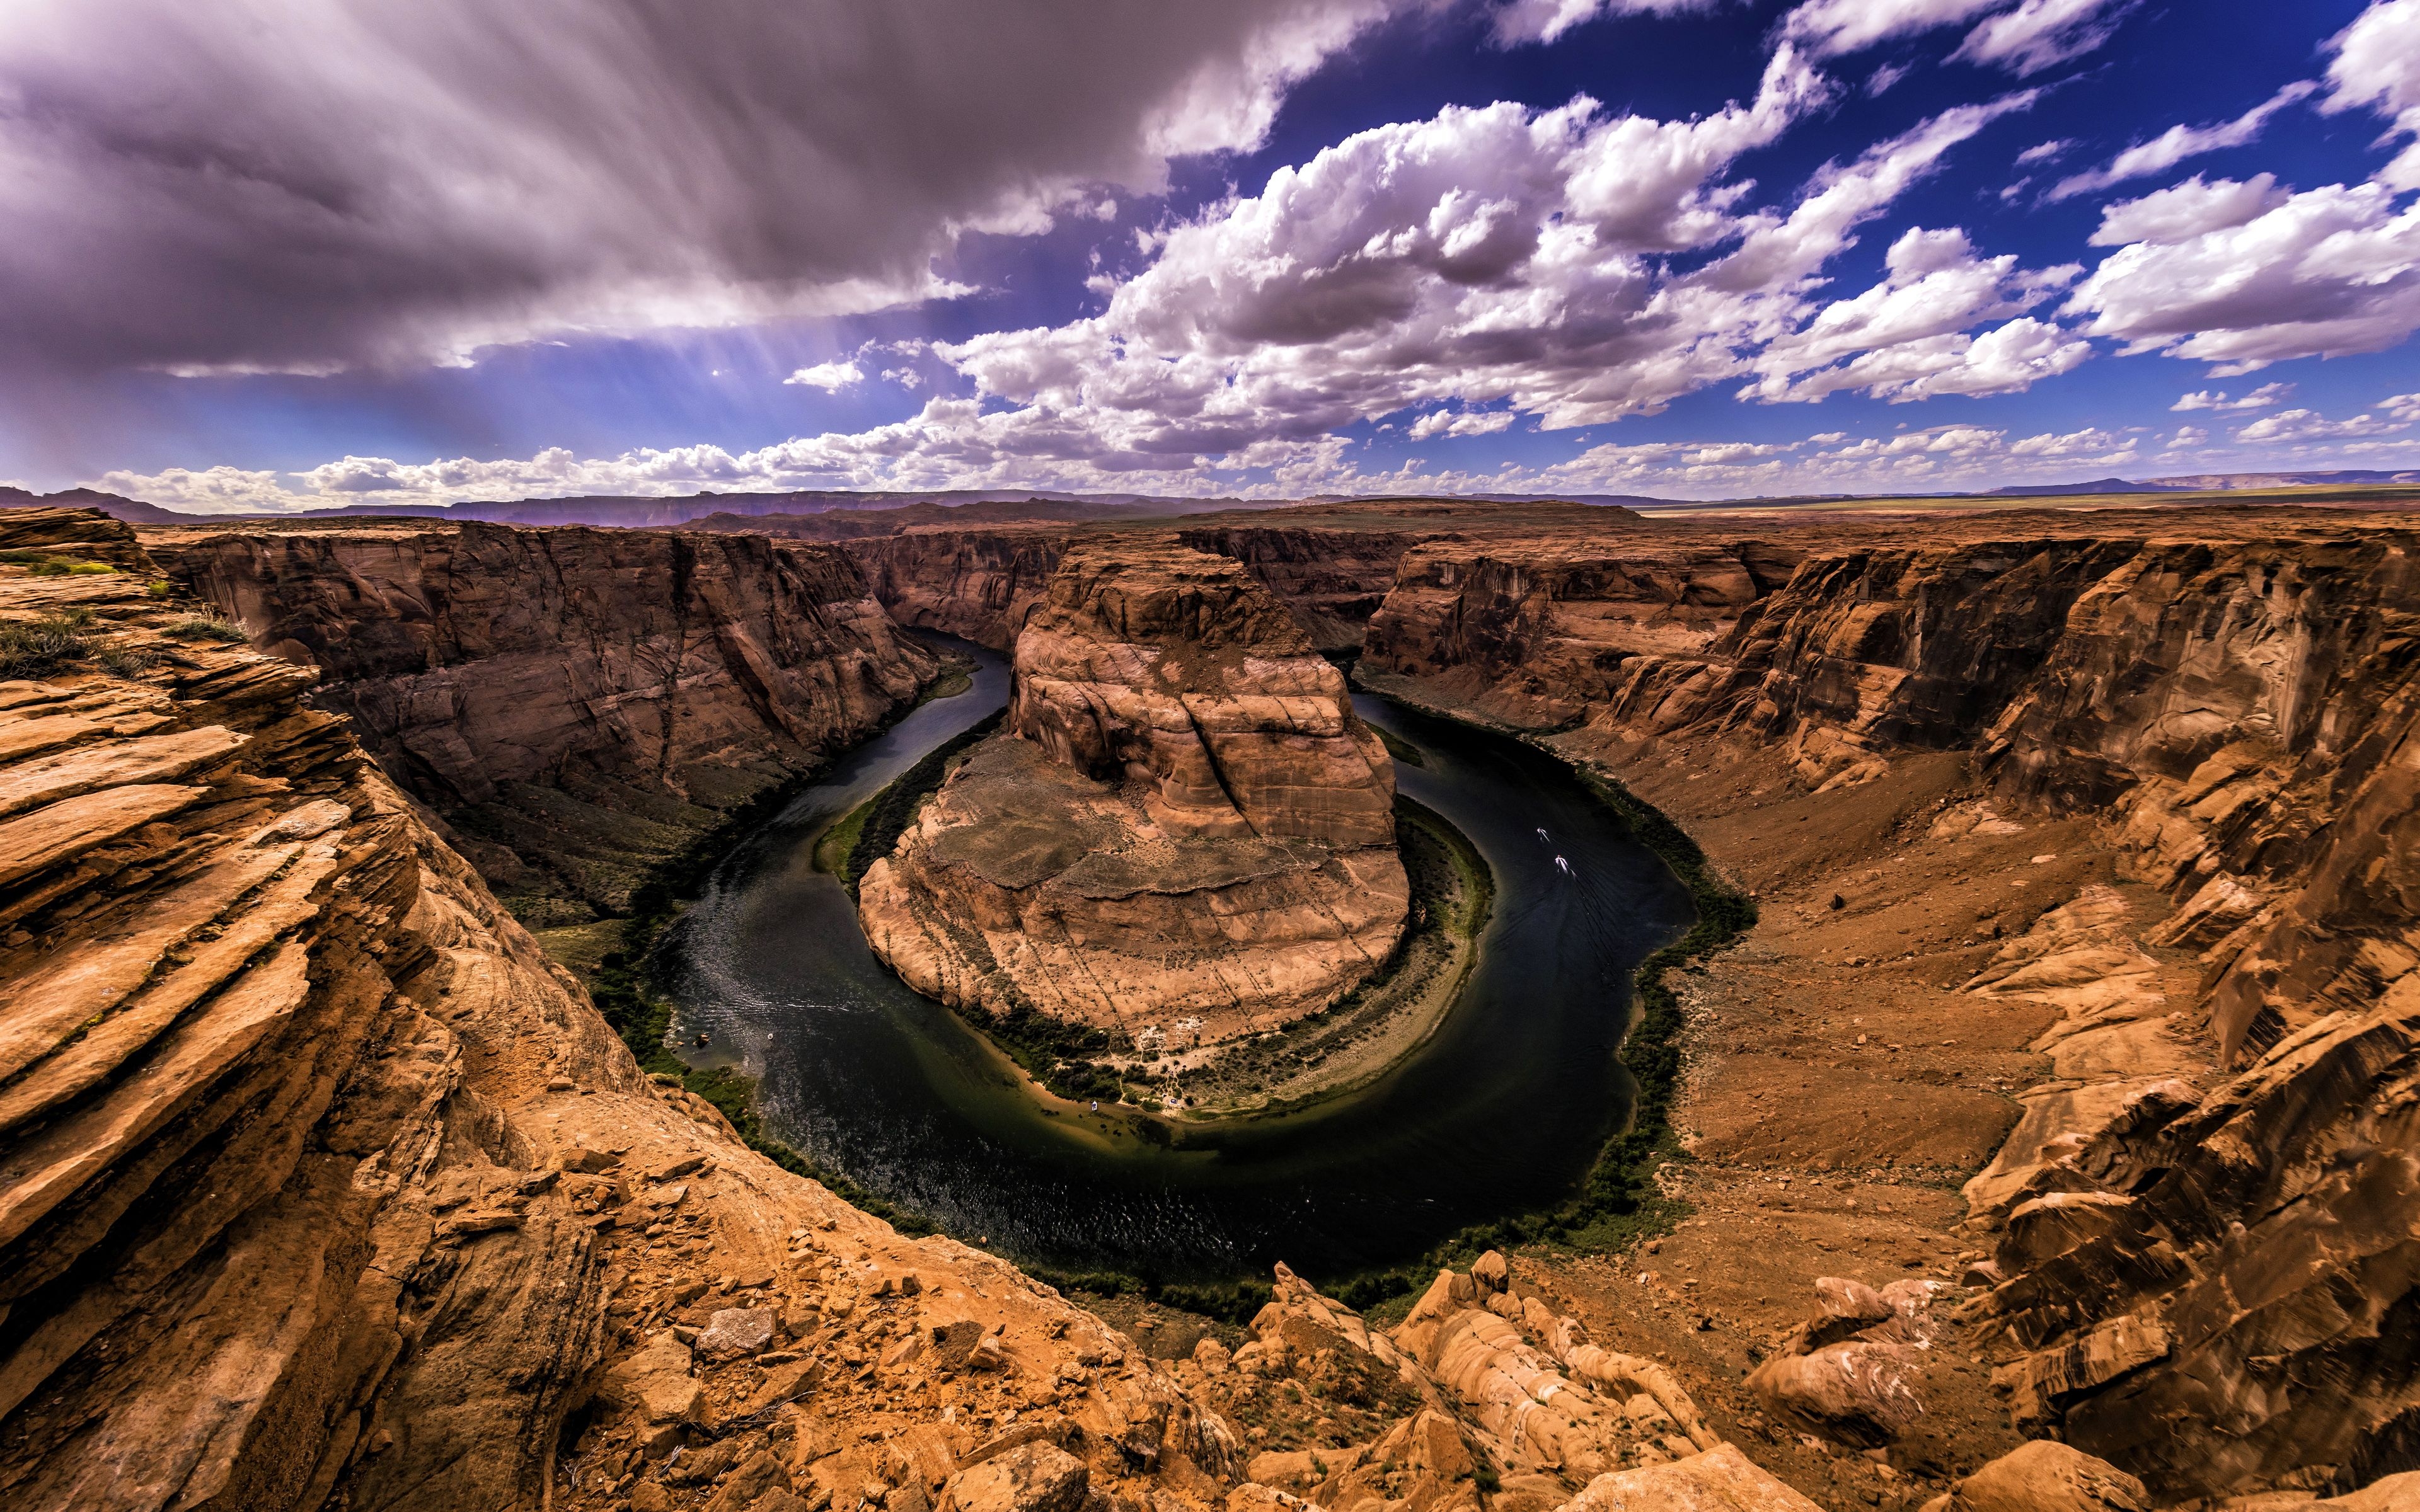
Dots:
pixel 2040 1137
pixel 1272 756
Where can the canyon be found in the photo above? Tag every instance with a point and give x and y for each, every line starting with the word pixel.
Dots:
pixel 577 704
pixel 1181 835
pixel 2046 1141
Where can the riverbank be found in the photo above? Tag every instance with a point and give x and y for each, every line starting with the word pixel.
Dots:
pixel 1381 1022
pixel 615 959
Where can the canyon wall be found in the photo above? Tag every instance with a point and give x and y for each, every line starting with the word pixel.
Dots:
pixel 1184 834
pixel 976 585
pixel 577 703
pixel 319 1186
pixel 979 584
pixel 2210 1278
pixel 1332 579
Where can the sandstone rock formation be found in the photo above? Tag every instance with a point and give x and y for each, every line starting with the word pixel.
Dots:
pixel 1333 580
pixel 1184 833
pixel 2203 1220
pixel 577 703
pixel 977 585
pixel 319 1184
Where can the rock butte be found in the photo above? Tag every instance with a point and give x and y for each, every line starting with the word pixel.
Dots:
pixel 2082 847
pixel 1183 833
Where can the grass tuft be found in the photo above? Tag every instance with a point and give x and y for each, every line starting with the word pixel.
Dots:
pixel 37 648
pixel 207 625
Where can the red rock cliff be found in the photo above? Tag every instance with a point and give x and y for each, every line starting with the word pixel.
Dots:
pixel 2210 1274
pixel 577 702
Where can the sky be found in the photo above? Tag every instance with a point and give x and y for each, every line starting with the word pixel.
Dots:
pixel 287 254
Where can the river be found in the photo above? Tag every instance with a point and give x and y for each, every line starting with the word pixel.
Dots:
pixel 1501 1110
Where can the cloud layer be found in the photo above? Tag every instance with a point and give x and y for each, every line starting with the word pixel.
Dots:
pixel 299 185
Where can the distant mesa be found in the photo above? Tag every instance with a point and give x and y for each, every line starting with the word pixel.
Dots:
pixel 1183 830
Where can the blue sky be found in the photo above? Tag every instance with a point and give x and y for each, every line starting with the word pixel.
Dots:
pixel 290 255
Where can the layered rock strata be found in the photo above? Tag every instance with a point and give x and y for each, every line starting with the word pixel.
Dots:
pixel 1183 834
pixel 320 1187
pixel 577 703
pixel 977 585
pixel 2203 1215
pixel 980 583
pixel 1332 579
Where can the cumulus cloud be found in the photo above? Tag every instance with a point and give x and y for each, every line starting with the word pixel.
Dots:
pixel 2177 142
pixel 2242 281
pixel 1479 266
pixel 296 186
pixel 1469 422
pixel 1905 338
pixel 954 444
pixel 2260 399
pixel 831 377
pixel 2186 210
pixel 2377 66
pixel 2310 425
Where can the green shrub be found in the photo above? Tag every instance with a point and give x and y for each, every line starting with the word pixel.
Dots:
pixel 50 565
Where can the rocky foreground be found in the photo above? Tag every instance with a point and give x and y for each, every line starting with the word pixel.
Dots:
pixel 2085 972
pixel 1183 834
pixel 2062 1094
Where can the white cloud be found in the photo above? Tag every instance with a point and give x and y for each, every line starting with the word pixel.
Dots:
pixel 2041 34
pixel 1879 83
pixel 2046 152
pixel 2377 66
pixel 2186 210
pixel 1834 27
pixel 952 443
pixel 2031 37
pixel 1469 422
pixel 2328 272
pixel 1541 21
pixel 1905 338
pixel 831 377
pixel 2260 399
pixel 2177 142
pixel 2309 425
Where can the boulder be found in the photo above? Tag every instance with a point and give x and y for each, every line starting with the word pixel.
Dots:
pixel 736 1331
pixel 2044 1476
pixel 1031 1477
pixel 1722 1479
pixel 749 1482
pixel 655 1382
pixel 1844 1308
pixel 1859 1393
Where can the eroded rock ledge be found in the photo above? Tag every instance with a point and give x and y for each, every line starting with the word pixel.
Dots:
pixel 1184 833
pixel 578 703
